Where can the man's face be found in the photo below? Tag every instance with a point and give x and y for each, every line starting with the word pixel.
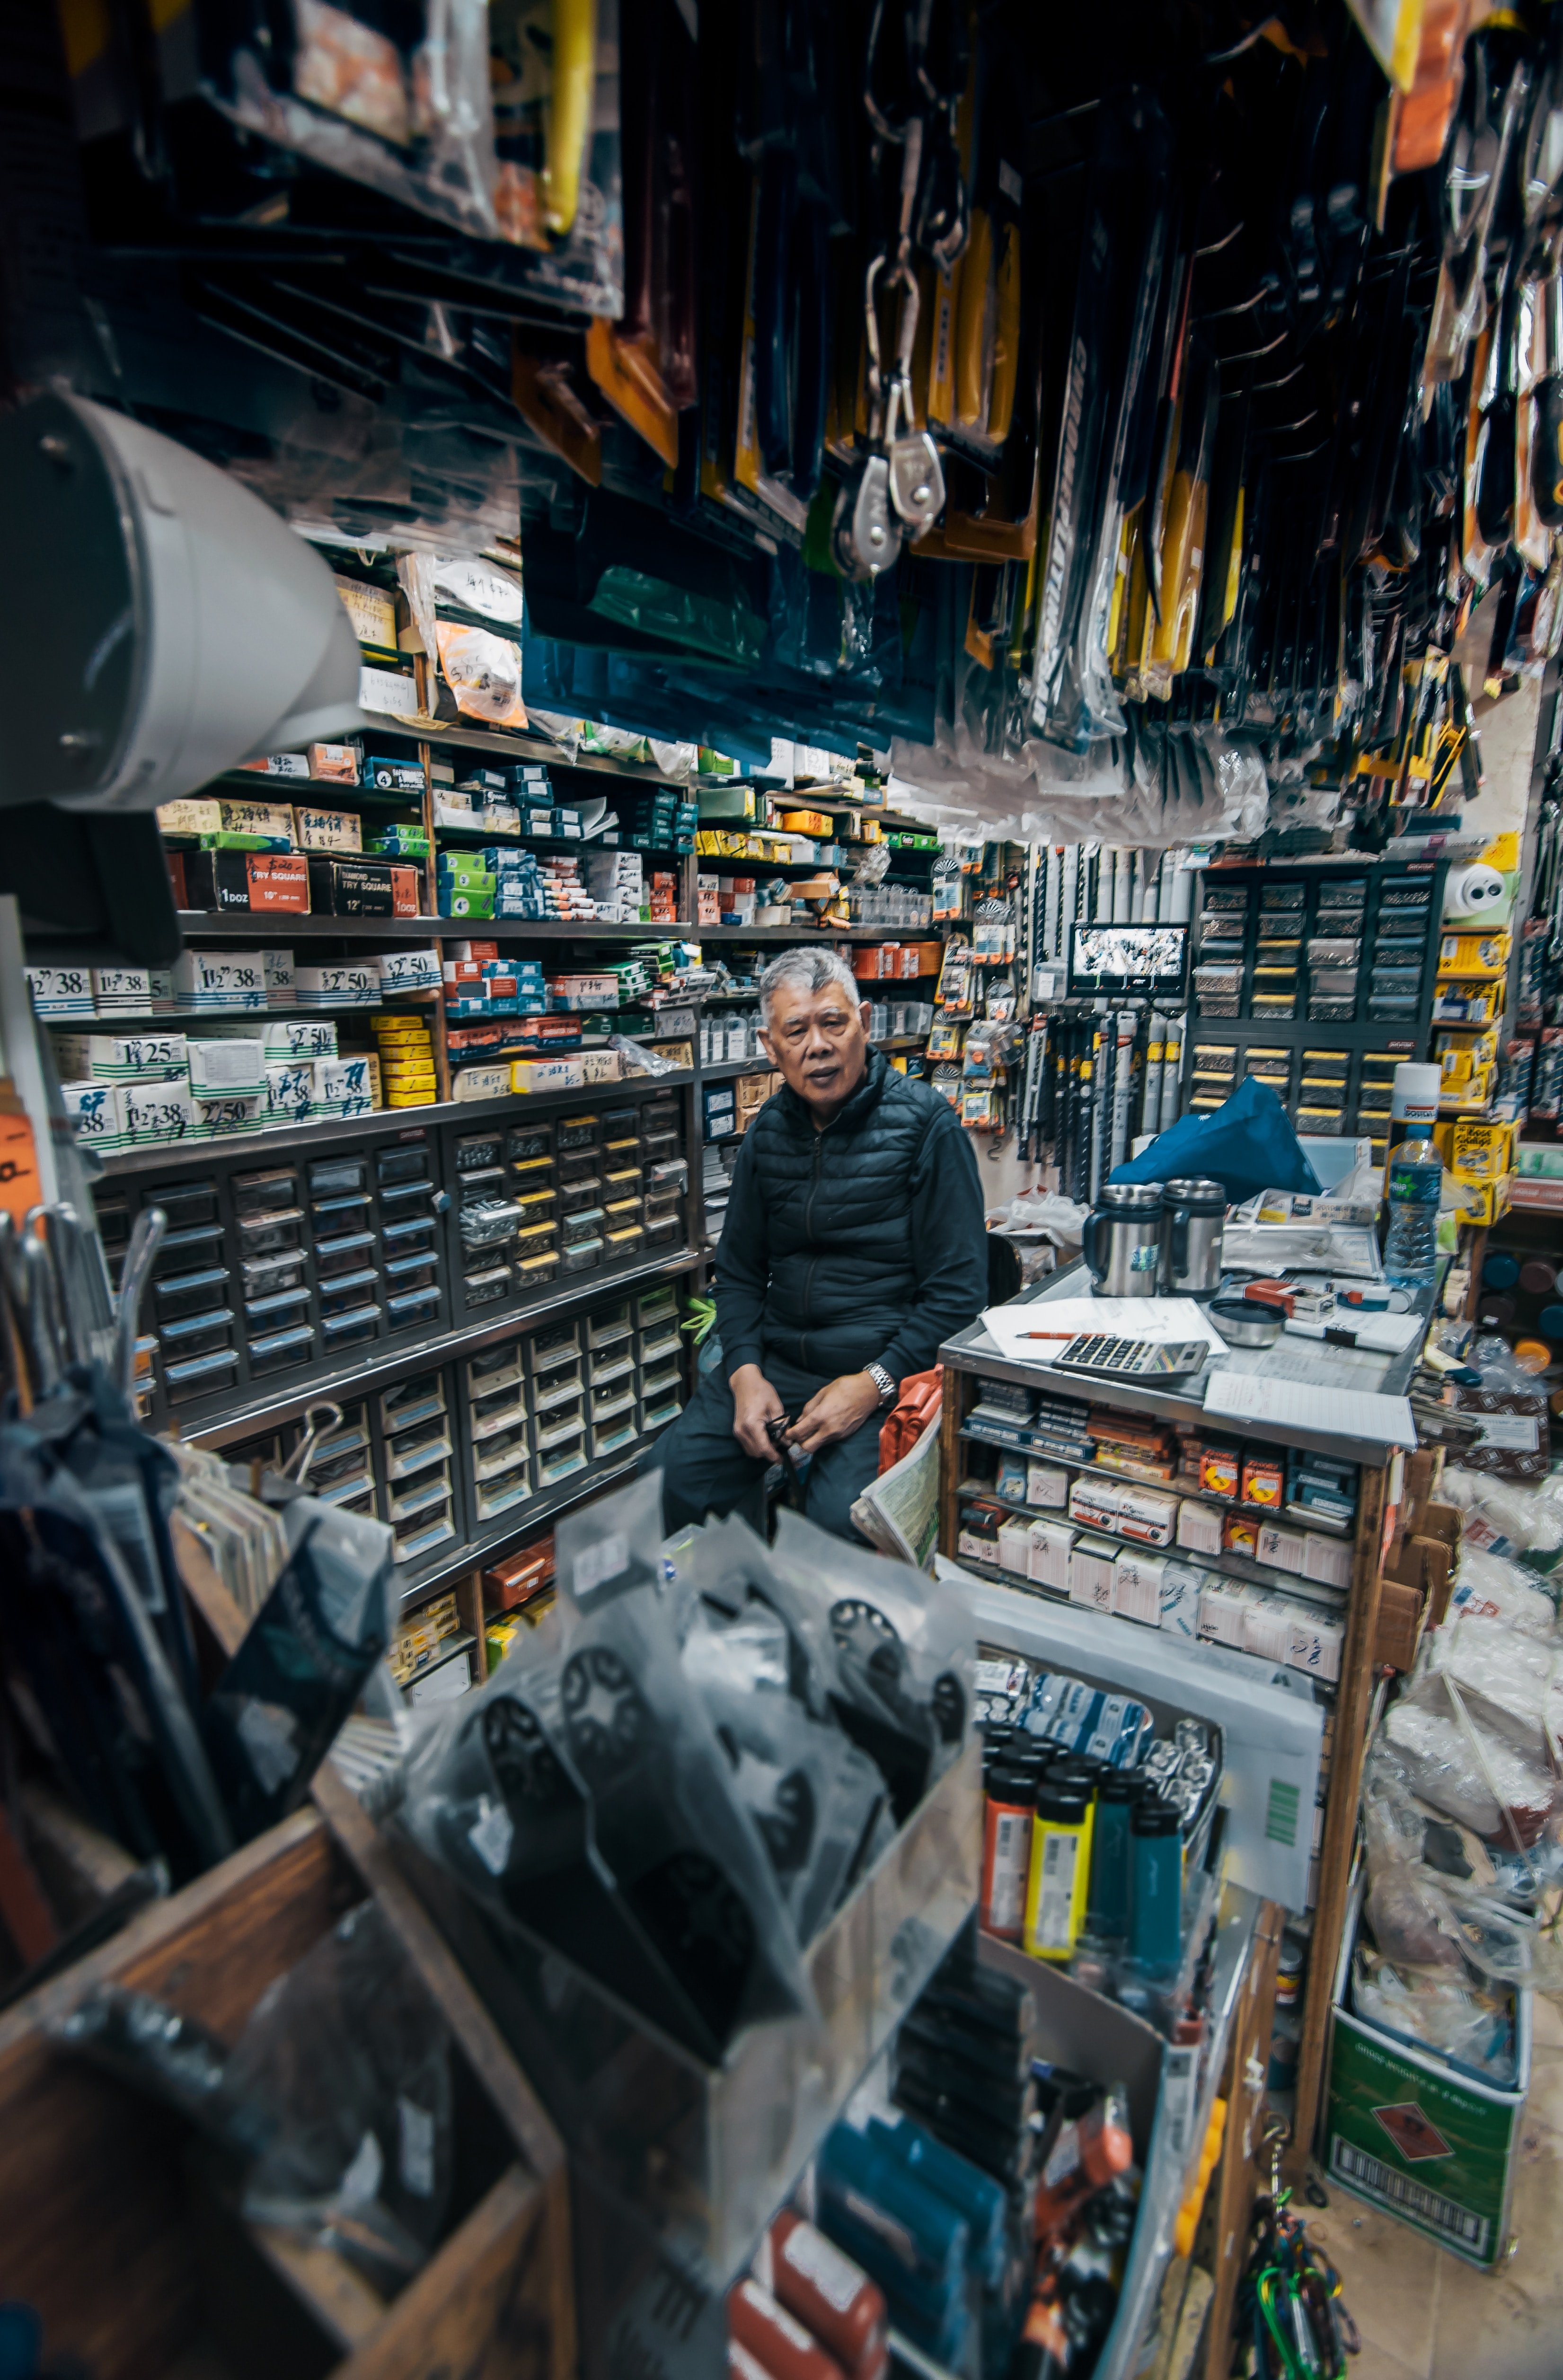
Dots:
pixel 820 1041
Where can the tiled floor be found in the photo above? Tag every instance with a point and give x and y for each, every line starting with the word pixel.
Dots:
pixel 1425 2316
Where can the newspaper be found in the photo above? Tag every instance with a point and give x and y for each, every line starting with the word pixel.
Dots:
pixel 898 1513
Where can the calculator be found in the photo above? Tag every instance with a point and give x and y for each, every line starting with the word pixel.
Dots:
pixel 1108 1358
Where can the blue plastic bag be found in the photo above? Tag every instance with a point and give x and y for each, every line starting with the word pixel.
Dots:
pixel 1247 1144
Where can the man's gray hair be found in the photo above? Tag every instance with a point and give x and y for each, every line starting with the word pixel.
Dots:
pixel 805 971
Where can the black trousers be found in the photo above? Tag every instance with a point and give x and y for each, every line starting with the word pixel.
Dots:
pixel 705 1470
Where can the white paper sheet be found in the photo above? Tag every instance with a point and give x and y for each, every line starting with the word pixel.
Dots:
pixel 1337 1413
pixel 1161 1319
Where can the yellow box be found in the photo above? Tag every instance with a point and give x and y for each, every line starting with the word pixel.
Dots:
pixel 805 822
pixel 1481 1151
pixel 1483 1202
pixel 1482 956
pixel 1481 1049
pixel 423 1099
pixel 1461 1003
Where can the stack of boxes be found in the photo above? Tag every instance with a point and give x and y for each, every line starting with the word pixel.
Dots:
pixel 464 885
pixel 617 879
pixel 1335 950
pixel 1279 952
pixel 1472 971
pixel 419 1497
pixel 407 1062
pixel 659 819
pixel 898 961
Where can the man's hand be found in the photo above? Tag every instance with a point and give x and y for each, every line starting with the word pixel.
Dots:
pixel 836 1411
pixel 754 1404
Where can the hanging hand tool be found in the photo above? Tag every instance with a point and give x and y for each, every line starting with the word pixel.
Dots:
pixel 573 62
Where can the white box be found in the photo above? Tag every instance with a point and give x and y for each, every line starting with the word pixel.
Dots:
pixel 290 1092
pixel 1281 1548
pixel 602 1066
pixel 1327 1560
pixel 1182 1585
pixel 1137 1586
pixel 229 1068
pixel 1047 1486
pixel 1223 1610
pixel 123 1057
pixel 482 1083
pixel 230 1113
pixel 282 990
pixel 1199 1527
pixel 1014 1548
pixel 1267 1627
pixel 1315 1642
pixel 343 984
pixel 410 970
pixel 219 979
pixel 1092 1561
pixel 342 1087
pixel 61 992
pixel 122 991
pixel 1052 1542
pixel 290 1038
pixel 97 1113
pixel 155 1111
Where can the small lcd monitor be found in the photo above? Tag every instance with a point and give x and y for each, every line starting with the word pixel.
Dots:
pixel 1132 961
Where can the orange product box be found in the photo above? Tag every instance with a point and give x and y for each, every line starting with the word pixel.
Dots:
pixel 404 893
pixel 871 961
pixel 1241 1536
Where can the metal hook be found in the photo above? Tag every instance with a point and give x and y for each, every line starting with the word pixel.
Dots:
pixel 296 1466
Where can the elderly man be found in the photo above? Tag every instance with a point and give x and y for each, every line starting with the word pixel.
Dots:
pixel 853 1247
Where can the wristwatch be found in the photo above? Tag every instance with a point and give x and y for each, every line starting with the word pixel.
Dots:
pixel 889 1389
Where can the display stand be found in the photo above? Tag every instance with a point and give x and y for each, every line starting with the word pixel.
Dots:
pixel 973 1356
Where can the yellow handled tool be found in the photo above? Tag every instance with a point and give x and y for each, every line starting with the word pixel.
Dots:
pixel 570 111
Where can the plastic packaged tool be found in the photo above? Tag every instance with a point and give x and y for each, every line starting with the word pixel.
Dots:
pixel 905 2237
pixel 976 2197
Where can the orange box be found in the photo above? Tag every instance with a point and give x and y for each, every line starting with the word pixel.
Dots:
pixel 813 822
pixel 872 961
pixel 404 893
pixel 929 957
pixel 1241 1536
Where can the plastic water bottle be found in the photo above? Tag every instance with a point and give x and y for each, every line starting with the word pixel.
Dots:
pixel 1415 1178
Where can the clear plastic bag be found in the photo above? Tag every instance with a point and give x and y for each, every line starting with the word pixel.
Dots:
pixel 904 1654
pixel 816 1801
pixel 582 1793
pixel 1499 1794
pixel 1474 2027
pixel 1510 1685
pixel 1508 1517
pixel 483 673
pixel 347 2060
pixel 1489 1586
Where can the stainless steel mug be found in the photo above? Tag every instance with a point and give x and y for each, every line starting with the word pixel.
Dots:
pixel 1121 1242
pixel 1193 1215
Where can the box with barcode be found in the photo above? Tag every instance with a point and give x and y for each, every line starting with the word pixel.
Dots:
pixel 1413 2134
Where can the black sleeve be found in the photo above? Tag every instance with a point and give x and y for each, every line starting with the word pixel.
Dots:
pixel 743 1269
pixel 948 1246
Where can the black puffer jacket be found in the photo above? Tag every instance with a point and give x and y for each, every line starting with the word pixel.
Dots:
pixel 862 1244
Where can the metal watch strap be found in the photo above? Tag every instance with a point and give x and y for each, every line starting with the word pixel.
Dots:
pixel 889 1389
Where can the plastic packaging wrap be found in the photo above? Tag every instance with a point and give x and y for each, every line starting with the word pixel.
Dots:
pixel 1489 1586
pixel 815 1799
pixel 1511 1685
pixel 1525 1523
pixel 1493 1793
pixel 583 1793
pixel 282 1698
pixel 904 1654
pixel 347 2062
pixel 412 122
pixel 1475 2028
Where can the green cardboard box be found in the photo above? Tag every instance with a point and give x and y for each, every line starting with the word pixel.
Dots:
pixel 1417 2136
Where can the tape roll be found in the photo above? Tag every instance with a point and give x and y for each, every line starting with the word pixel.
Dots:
pixel 1533 1354
pixel 1473 891
pixel 1500 1271
pixel 1538 1278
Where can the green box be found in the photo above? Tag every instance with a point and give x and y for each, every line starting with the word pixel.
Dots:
pixel 1389 2096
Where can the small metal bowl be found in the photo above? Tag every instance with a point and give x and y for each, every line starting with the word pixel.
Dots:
pixel 1244 1322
